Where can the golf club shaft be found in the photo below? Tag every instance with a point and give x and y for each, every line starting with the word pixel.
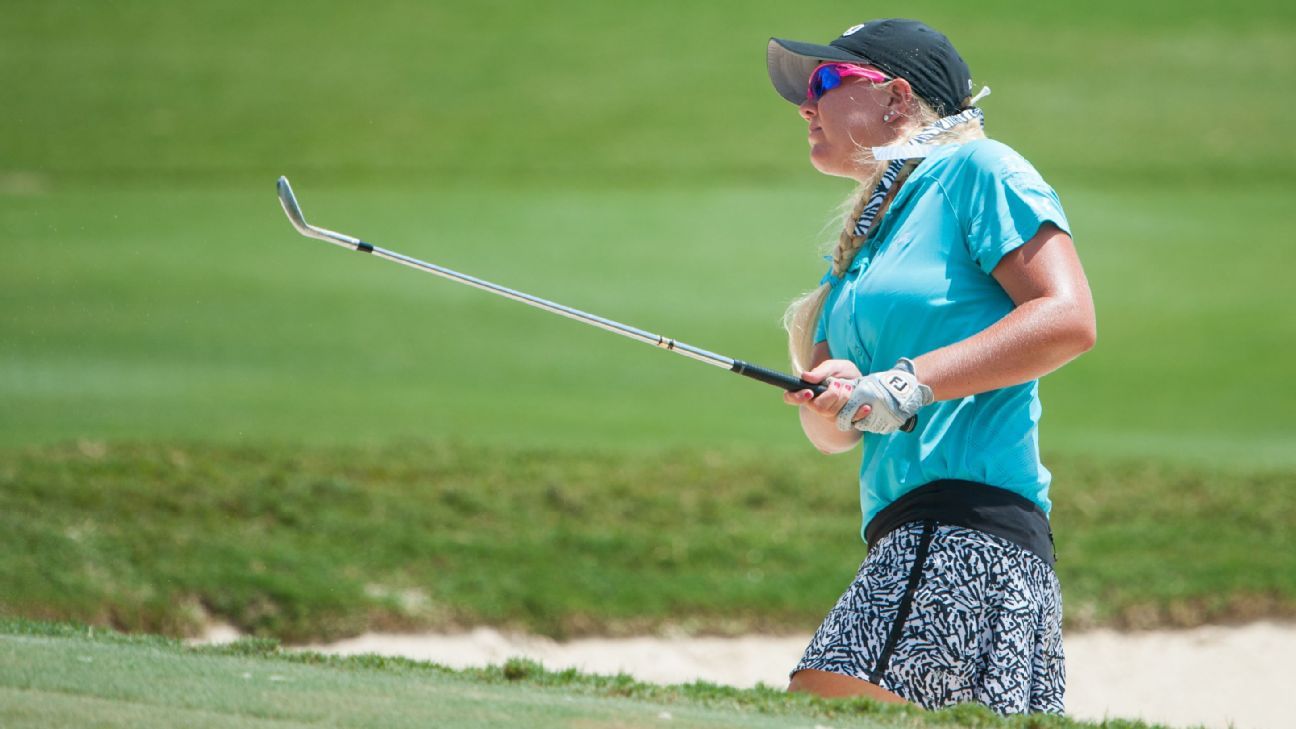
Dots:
pixel 746 369
pixel 657 340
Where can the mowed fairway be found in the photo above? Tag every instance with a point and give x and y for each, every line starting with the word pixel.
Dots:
pixel 60 682
pixel 53 675
pixel 154 290
pixel 200 315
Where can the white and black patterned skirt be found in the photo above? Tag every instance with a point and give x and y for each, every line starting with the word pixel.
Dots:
pixel 942 614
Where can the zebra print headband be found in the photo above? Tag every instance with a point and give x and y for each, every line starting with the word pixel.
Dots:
pixel 899 153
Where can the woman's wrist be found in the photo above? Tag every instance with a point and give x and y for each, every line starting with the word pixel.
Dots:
pixel 822 432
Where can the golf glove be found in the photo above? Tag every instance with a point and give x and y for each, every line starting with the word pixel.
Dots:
pixel 893 397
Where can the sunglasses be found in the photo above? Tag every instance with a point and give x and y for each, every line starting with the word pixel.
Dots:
pixel 829 76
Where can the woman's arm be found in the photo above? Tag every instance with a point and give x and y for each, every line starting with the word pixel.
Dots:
pixel 1053 323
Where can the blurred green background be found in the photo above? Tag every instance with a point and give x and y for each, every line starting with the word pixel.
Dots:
pixel 628 159
pixel 631 160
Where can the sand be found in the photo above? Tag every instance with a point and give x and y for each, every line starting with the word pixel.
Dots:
pixel 1217 676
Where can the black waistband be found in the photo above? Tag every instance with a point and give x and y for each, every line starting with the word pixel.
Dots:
pixel 971 505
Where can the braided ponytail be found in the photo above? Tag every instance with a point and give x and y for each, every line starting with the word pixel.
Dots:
pixel 802 317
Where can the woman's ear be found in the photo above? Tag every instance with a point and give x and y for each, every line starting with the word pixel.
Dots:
pixel 900 97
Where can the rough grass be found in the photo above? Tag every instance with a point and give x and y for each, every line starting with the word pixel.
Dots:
pixel 314 543
pixel 55 675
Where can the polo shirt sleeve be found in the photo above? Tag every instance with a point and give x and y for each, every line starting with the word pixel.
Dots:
pixel 1002 202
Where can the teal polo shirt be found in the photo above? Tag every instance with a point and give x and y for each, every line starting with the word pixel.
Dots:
pixel 923 282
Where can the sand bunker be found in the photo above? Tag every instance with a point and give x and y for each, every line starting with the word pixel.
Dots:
pixel 1217 676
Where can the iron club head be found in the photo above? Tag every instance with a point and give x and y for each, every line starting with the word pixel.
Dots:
pixel 294 213
pixel 291 208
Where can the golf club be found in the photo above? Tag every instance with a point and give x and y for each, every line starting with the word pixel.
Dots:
pixel 746 369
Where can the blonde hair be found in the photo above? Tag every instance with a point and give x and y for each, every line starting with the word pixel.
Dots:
pixel 801 319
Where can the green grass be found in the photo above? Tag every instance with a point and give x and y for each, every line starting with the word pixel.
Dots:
pixel 570 91
pixel 66 675
pixel 323 543
pixel 201 315
pixel 156 292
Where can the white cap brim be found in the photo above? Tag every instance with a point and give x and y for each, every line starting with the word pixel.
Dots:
pixel 791 62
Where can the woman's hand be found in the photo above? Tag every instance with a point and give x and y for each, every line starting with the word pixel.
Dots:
pixel 819 414
pixel 838 374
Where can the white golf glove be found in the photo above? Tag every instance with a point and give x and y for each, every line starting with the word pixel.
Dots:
pixel 893 397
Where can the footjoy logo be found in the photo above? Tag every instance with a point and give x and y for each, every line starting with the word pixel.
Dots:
pixel 898 384
pixel 852 29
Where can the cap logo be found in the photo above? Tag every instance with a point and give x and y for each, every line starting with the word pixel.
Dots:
pixel 853 28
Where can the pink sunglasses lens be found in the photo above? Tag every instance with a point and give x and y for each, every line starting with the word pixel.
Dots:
pixel 829 76
pixel 824 79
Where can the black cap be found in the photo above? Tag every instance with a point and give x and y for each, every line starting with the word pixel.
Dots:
pixel 905 48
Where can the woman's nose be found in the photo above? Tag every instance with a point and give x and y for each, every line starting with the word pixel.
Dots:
pixel 808 109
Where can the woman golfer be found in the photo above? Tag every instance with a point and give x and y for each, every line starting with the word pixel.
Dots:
pixel 953 287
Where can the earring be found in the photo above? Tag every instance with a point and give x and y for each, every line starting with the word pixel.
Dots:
pixel 886 117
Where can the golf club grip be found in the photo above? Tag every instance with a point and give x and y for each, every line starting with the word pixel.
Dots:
pixel 776 378
pixel 793 384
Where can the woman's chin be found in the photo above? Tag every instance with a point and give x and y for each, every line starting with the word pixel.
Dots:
pixel 822 161
pixel 830 166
